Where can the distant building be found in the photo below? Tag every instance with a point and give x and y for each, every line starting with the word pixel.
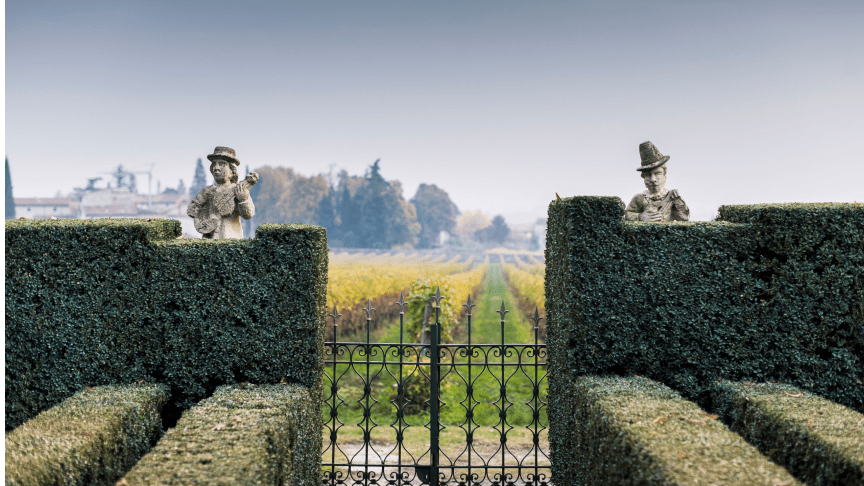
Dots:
pixel 104 203
pixel 45 207
pixel 109 203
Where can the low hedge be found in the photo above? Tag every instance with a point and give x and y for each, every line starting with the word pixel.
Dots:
pixel 819 441
pixel 630 431
pixel 93 437
pixel 93 302
pixel 253 434
pixel 766 293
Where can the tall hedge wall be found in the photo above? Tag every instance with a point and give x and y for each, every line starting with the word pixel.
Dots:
pixel 118 301
pixel 766 293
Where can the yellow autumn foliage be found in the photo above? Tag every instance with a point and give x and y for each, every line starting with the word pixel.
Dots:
pixel 527 281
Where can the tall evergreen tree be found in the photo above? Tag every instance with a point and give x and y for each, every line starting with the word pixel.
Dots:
pixel 374 208
pixel 10 200
pixel 348 215
pixel 199 181
pixel 132 183
pixel 325 213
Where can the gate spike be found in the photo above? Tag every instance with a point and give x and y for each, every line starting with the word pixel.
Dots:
pixel 437 297
pixel 401 302
pixel 369 309
pixel 536 318
pixel 503 311
pixel 469 305
pixel 335 315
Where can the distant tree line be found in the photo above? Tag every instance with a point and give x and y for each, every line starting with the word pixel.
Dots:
pixel 365 211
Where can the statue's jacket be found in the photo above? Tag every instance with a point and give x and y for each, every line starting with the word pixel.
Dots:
pixel 670 205
pixel 217 212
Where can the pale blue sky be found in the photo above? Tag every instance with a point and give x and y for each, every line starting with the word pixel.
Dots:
pixel 502 104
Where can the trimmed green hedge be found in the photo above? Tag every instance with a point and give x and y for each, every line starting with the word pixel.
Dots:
pixel 258 434
pixel 632 431
pixel 819 441
pixel 92 302
pixel 93 437
pixel 768 293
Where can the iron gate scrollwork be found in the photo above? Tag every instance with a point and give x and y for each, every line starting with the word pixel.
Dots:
pixel 355 368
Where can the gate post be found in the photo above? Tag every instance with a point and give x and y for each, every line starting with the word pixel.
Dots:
pixel 428 474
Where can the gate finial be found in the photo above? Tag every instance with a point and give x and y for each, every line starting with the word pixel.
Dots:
pixel 437 297
pixel 369 309
pixel 401 302
pixel 335 315
pixel 503 311
pixel 536 318
pixel 469 305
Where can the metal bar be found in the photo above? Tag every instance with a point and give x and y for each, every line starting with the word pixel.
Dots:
pixel 536 416
pixel 400 388
pixel 434 418
pixel 503 312
pixel 367 394
pixel 470 391
pixel 454 364
pixel 333 389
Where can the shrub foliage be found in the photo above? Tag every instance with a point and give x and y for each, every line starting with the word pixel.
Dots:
pixel 118 301
pixel 766 293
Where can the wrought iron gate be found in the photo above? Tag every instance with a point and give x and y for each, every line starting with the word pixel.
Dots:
pixel 403 456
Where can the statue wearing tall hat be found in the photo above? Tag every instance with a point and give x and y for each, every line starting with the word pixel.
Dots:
pixel 217 209
pixel 655 204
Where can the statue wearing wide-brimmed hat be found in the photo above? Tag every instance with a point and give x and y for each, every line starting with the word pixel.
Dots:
pixel 656 204
pixel 217 209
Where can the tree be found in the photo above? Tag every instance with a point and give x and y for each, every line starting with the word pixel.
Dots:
pixel 496 233
pixel 199 180
pixel 325 214
pixel 274 182
pixel 124 178
pixel 299 202
pixel 78 192
pixel 382 220
pixel 372 202
pixel 346 210
pixel 181 187
pixel 435 213
pixel 469 223
pixel 10 199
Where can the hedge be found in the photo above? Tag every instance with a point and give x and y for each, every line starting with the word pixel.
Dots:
pixel 93 302
pixel 253 434
pixel 819 441
pixel 766 293
pixel 93 437
pixel 632 431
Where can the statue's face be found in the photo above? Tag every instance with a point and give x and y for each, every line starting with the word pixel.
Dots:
pixel 220 171
pixel 655 179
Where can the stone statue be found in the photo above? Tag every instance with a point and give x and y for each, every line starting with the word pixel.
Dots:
pixel 656 204
pixel 217 209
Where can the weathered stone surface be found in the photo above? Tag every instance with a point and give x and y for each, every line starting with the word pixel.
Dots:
pixel 217 209
pixel 656 204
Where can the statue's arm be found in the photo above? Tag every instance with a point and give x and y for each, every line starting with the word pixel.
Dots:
pixel 634 209
pixel 246 208
pixel 680 211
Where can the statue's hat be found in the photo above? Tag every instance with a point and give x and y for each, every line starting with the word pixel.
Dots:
pixel 651 157
pixel 224 153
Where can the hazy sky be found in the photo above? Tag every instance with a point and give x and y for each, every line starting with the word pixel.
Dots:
pixel 501 104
